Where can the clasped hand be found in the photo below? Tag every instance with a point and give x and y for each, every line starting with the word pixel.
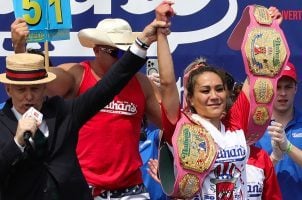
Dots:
pixel 279 140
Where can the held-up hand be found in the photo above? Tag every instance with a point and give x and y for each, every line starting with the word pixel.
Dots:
pixel 153 168
pixel 164 11
pixel 149 34
pixel 275 14
pixel 19 34
pixel 25 124
pixel 277 134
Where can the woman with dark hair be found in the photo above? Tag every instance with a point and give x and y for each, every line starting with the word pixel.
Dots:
pixel 209 156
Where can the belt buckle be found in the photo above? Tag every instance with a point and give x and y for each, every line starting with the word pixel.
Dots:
pixel 105 194
pixel 92 189
pixel 122 192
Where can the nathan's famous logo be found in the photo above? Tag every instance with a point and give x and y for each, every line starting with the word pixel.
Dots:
pixel 196 147
pixel 237 153
pixel 186 143
pixel 277 50
pixel 121 107
pixel 254 189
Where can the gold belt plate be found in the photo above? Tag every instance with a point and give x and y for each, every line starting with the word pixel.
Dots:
pixel 263 90
pixel 188 185
pixel 260 115
pixel 265 51
pixel 262 15
pixel 196 148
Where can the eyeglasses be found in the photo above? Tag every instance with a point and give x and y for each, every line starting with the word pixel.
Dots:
pixel 112 52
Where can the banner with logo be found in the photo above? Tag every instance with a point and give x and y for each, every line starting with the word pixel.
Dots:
pixel 200 28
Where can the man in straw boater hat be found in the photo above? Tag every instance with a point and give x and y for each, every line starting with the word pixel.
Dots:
pixel 38 160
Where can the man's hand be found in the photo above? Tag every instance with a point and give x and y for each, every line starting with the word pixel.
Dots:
pixel 25 124
pixel 19 34
pixel 149 34
pixel 276 154
pixel 277 134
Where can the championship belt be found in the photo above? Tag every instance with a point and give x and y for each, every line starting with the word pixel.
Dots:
pixel 265 51
pixel 194 153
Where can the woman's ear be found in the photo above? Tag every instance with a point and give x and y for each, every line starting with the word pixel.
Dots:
pixel 189 100
pixel 190 103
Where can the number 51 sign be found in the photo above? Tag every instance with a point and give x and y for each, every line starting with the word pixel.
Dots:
pixel 47 19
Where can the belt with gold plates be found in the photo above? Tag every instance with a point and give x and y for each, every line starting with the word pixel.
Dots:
pixel 182 172
pixel 265 52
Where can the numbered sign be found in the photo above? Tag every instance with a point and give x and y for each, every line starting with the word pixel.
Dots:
pixel 47 19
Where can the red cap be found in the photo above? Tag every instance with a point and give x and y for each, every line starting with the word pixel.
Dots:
pixel 290 71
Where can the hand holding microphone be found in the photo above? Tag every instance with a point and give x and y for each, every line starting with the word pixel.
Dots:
pixel 28 125
pixel 25 129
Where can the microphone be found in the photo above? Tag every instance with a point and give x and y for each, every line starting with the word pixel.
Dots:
pixel 27 135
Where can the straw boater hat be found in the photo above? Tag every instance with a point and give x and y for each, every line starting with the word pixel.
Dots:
pixel 25 69
pixel 112 32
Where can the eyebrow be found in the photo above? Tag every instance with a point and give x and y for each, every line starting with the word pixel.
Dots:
pixel 208 86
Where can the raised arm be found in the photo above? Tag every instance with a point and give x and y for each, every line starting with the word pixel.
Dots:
pixel 168 89
pixel 19 34
pixel 66 79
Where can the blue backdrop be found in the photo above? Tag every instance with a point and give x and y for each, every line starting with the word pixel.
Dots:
pixel 200 28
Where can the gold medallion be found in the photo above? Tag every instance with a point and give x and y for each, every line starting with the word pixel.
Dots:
pixel 265 51
pixel 263 90
pixel 262 15
pixel 188 185
pixel 196 148
pixel 261 115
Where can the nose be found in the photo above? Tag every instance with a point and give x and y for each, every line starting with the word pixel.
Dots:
pixel 213 95
pixel 28 96
pixel 281 91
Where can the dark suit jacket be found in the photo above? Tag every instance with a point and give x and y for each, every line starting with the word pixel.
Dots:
pixel 22 178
